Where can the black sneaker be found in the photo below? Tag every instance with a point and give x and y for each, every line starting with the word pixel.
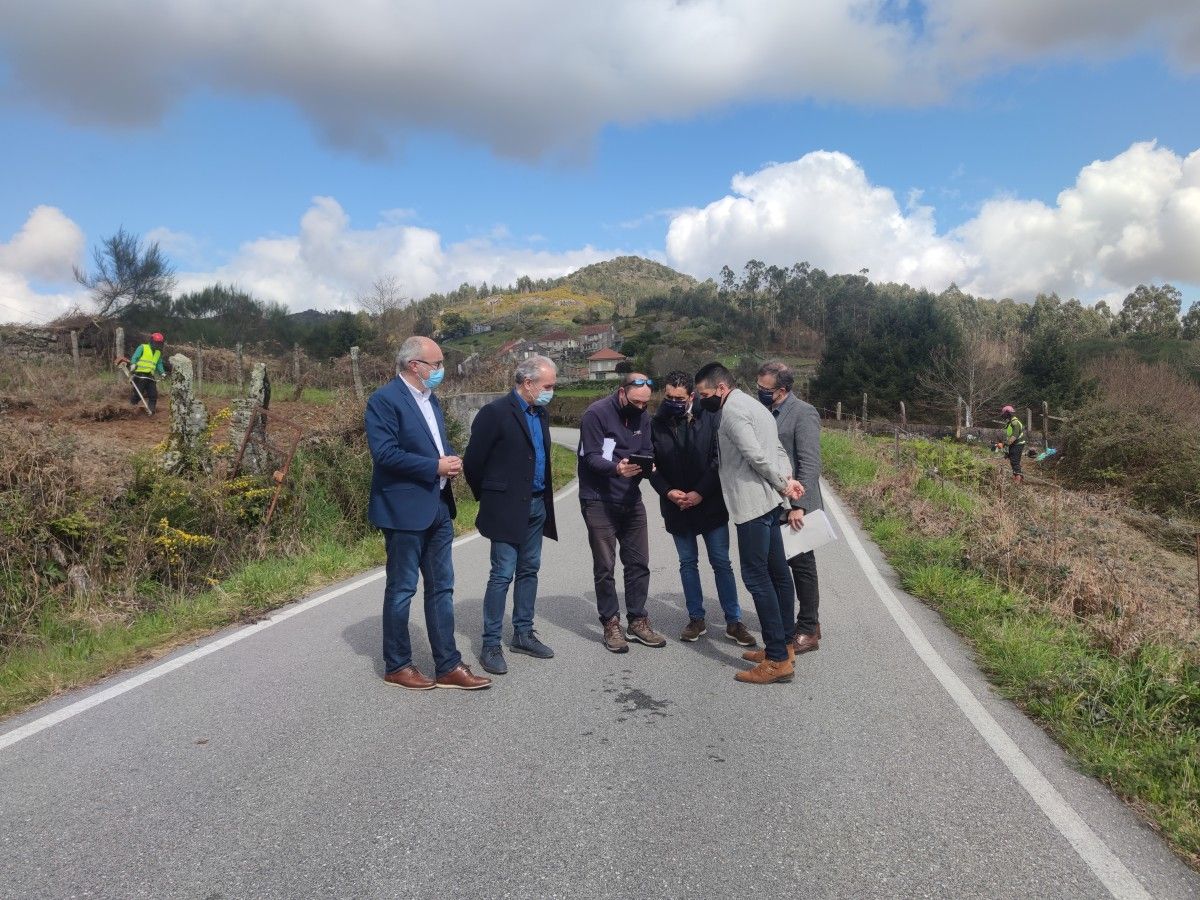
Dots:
pixel 492 660
pixel 527 642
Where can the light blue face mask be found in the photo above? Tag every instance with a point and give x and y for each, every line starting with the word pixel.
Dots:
pixel 434 379
pixel 544 398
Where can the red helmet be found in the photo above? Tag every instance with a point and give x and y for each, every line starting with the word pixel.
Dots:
pixel 157 336
pixel 1008 411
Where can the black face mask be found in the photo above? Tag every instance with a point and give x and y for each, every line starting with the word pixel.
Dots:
pixel 766 397
pixel 673 407
pixel 630 414
pixel 710 404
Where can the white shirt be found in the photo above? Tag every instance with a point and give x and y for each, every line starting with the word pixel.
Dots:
pixel 426 408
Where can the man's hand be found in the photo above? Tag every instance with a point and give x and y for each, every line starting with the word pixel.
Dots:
pixel 796 519
pixel 794 489
pixel 449 466
pixel 692 499
pixel 627 469
pixel 676 496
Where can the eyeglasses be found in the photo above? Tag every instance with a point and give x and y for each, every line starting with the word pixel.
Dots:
pixel 439 364
pixel 640 382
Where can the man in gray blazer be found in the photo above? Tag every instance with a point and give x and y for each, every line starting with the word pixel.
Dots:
pixel 799 426
pixel 756 476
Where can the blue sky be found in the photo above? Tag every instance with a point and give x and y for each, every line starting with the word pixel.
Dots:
pixel 304 166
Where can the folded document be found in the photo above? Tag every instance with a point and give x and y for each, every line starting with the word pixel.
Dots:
pixel 817 532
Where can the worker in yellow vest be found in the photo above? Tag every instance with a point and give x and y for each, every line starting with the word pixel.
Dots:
pixel 1014 441
pixel 146 365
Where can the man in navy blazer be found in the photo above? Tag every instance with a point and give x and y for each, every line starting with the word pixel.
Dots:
pixel 411 501
pixel 507 465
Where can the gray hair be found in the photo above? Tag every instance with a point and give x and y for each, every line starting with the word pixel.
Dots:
pixel 782 373
pixel 411 349
pixel 532 367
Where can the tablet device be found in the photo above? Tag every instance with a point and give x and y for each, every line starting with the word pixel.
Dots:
pixel 644 460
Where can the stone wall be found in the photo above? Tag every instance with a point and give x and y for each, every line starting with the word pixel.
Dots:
pixel 464 406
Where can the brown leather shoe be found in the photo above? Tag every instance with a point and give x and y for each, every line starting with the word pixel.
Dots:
pixel 460 677
pixel 804 643
pixel 768 672
pixel 410 677
pixel 760 655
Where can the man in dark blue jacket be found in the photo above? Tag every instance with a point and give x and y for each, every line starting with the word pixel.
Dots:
pixel 412 503
pixel 612 429
pixel 688 483
pixel 507 465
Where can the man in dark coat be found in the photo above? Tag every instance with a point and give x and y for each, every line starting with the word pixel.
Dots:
pixel 689 488
pixel 507 466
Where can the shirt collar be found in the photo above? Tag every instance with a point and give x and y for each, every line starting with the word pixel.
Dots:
pixel 526 406
pixel 421 394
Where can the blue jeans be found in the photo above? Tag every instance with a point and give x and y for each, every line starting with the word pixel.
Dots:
pixel 716 542
pixel 428 553
pixel 769 580
pixel 508 560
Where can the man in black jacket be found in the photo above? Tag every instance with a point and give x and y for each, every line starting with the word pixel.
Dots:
pixel 507 466
pixel 689 488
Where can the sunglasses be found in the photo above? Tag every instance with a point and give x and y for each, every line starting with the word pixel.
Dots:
pixel 639 382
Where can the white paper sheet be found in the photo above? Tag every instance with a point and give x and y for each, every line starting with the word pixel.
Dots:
pixel 607 449
pixel 817 532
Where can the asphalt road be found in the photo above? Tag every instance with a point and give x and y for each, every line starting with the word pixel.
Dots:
pixel 273 761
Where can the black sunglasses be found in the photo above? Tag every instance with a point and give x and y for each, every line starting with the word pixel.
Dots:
pixel 639 382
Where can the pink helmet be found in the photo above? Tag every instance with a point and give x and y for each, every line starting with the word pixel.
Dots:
pixel 1008 411
pixel 157 336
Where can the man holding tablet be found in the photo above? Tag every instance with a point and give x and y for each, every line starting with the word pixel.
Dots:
pixel 615 453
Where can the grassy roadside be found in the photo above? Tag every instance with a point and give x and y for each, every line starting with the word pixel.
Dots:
pixel 1128 710
pixel 72 650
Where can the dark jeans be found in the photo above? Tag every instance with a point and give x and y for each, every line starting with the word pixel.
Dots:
pixel 808 597
pixel 765 574
pixel 429 554
pixel 608 524
pixel 522 561
pixel 1015 452
pixel 149 388
pixel 716 542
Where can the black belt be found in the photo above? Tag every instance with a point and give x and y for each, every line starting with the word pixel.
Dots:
pixel 537 494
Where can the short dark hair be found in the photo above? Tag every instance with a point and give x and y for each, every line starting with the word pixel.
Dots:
pixel 714 373
pixel 680 379
pixel 784 377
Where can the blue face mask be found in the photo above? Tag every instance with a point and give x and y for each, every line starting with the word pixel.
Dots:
pixel 434 379
pixel 765 397
pixel 544 398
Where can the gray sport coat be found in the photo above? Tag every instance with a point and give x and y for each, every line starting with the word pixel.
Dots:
pixel 754 467
pixel 799 426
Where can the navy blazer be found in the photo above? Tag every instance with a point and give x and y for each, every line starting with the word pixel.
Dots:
pixel 404 480
pixel 498 465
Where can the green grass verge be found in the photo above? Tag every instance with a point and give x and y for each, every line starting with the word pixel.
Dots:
pixel 70 650
pixel 1133 722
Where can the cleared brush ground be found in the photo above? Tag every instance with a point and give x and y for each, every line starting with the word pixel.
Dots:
pixel 1077 610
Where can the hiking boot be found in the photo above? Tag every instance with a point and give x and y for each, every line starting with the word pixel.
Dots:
pixel 695 628
pixel 768 672
pixel 614 639
pixel 737 632
pixel 639 630
pixel 491 658
pixel 527 642
pixel 760 655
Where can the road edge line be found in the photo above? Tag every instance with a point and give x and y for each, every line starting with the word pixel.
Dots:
pixel 1116 877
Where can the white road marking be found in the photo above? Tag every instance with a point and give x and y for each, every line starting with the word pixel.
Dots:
pixel 1113 874
pixel 70 711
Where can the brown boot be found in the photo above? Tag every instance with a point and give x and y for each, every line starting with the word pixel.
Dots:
pixel 614 636
pixel 760 655
pixel 768 672
pixel 804 643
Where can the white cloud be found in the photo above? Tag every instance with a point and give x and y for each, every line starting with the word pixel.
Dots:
pixel 42 251
pixel 328 262
pixel 1131 219
pixel 528 77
